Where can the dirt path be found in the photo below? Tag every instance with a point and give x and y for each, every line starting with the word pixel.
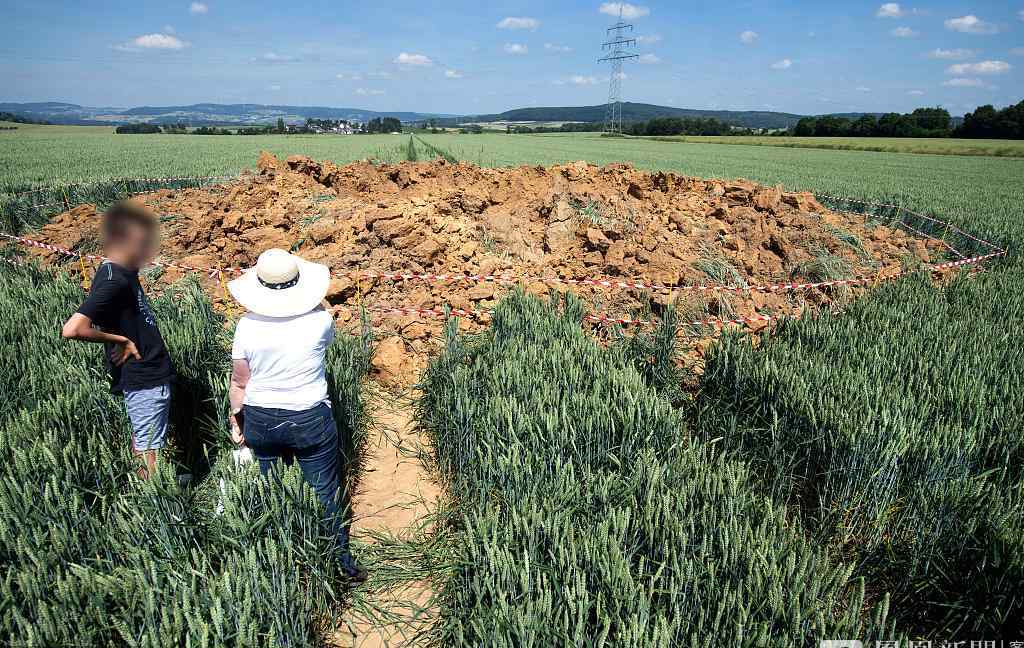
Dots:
pixel 394 496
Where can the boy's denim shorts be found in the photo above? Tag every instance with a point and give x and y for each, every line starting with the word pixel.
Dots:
pixel 149 411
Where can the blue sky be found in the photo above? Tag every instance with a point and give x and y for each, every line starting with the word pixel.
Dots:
pixel 462 56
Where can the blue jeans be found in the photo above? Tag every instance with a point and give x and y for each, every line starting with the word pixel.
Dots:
pixel 149 411
pixel 311 437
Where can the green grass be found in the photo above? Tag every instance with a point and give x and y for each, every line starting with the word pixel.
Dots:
pixel 43 155
pixel 91 555
pixel 583 515
pixel 920 145
pixel 845 462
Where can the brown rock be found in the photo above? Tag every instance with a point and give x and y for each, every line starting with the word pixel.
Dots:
pixel 664 269
pixel 768 198
pixel 415 330
pixel 920 250
pixel 635 191
pixel 390 361
pixel 408 242
pixel 262 239
pixel 593 258
pixel 468 249
pixel 732 242
pixel 538 288
pixel 481 290
pixel 267 163
pixel 427 250
pixel 778 244
pixel 804 201
pixel 560 236
pixel 615 257
pixel 391 229
pixel 596 239
pixel 340 289
pixel 371 217
pixel 880 233
pixel 322 231
pixel 304 164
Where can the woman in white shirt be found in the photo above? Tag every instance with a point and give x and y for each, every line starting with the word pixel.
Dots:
pixel 280 407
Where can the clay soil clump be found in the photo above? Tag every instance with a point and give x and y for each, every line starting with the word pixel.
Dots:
pixel 569 221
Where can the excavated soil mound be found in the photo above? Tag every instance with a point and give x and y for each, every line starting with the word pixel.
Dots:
pixel 569 221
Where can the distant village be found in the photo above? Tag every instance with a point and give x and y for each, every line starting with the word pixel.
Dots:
pixel 309 127
pixel 323 126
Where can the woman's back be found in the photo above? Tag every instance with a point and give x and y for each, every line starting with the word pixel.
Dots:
pixel 286 359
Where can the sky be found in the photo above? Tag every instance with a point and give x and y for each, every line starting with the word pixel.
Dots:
pixel 473 57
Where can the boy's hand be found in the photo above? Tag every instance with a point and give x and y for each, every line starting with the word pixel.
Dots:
pixel 124 350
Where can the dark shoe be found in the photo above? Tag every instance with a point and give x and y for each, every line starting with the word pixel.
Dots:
pixel 356 575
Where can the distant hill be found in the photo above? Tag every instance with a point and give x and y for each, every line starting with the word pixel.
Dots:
pixel 213 114
pixel 203 114
pixel 640 112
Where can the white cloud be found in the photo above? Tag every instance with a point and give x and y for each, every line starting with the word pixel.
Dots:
pixel 516 48
pixel 554 47
pixel 964 83
pixel 629 11
pixel 581 80
pixel 168 29
pixel 971 24
pixel 343 76
pixel 452 74
pixel 649 39
pixel 916 93
pixel 903 32
pixel 274 57
pixel 649 59
pixel 153 42
pixel 379 75
pixel 748 37
pixel 1020 14
pixel 896 10
pixel 890 10
pixel 198 8
pixel 863 89
pixel 523 22
pixel 784 64
pixel 369 92
pixel 984 67
pixel 951 54
pixel 274 87
pixel 413 60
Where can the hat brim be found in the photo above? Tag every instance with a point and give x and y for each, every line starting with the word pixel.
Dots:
pixel 304 296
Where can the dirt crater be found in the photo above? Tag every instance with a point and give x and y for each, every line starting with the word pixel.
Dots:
pixel 569 221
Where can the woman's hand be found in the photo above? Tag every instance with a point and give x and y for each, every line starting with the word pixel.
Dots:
pixel 236 429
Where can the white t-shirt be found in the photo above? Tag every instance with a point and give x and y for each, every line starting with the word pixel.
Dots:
pixel 286 359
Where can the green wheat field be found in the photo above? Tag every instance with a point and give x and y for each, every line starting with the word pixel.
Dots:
pixel 855 475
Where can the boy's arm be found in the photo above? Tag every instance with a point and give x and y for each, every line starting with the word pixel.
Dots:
pixel 102 297
pixel 79 327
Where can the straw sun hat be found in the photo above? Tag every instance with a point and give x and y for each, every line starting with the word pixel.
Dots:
pixel 281 285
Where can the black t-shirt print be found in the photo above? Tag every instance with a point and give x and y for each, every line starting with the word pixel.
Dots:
pixel 117 304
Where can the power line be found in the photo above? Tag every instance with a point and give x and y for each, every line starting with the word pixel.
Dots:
pixel 617 48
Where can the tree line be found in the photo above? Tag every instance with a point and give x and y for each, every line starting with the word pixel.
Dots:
pixel 21 119
pixel 656 126
pixel 984 122
pixel 383 125
pixel 988 123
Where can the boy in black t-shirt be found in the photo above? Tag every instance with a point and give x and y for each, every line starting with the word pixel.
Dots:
pixel 117 314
